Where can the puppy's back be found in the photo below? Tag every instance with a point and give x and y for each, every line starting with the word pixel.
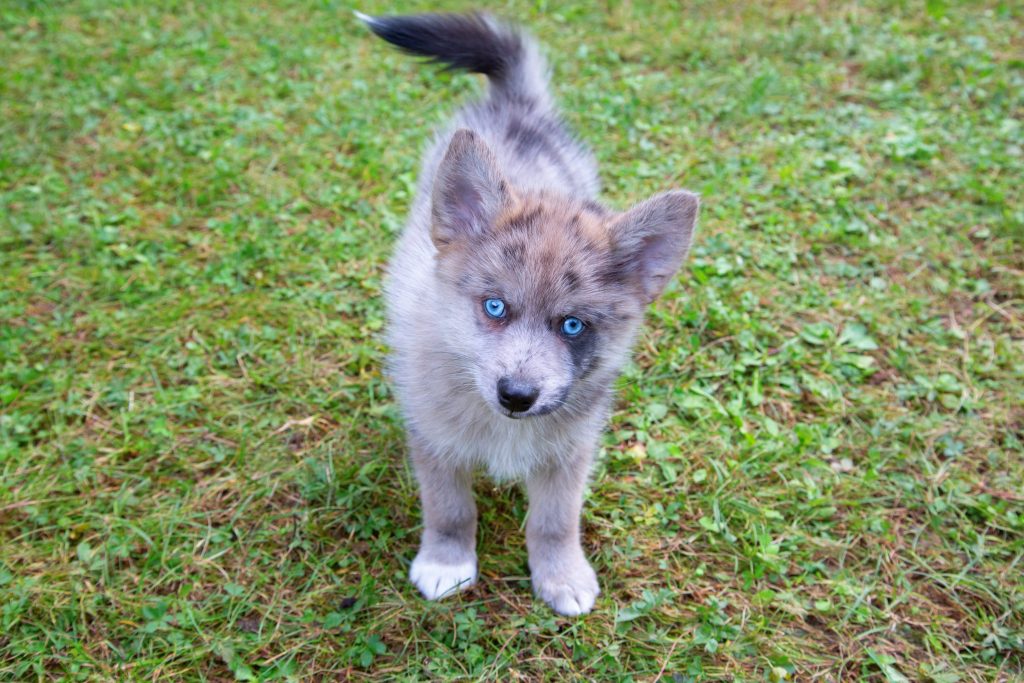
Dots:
pixel 517 120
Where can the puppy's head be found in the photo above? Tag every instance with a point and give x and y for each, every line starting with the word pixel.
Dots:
pixel 547 291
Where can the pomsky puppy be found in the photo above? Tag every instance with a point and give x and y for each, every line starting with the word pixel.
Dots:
pixel 513 299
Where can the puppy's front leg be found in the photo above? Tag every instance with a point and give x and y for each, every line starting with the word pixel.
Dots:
pixel 561 575
pixel 446 561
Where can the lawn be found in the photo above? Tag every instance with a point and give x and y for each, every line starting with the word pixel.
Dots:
pixel 815 469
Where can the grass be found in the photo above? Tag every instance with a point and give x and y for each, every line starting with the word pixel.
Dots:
pixel 816 468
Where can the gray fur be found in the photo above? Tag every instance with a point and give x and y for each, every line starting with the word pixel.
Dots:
pixel 506 208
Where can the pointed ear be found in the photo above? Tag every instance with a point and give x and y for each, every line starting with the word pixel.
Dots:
pixel 653 238
pixel 469 192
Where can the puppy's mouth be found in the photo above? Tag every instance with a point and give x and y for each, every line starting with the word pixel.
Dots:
pixel 517 415
pixel 532 412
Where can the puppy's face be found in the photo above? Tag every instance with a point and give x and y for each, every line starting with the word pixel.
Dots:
pixel 543 306
pixel 548 291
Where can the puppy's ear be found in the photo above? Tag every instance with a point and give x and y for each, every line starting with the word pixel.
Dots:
pixel 653 238
pixel 468 193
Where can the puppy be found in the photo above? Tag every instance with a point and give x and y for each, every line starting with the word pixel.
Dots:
pixel 513 298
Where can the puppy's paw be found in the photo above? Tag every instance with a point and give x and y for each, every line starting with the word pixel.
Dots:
pixel 436 580
pixel 569 593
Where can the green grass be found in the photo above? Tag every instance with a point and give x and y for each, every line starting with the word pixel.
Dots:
pixel 816 467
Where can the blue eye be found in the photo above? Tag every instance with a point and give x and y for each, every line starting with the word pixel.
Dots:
pixel 571 327
pixel 494 308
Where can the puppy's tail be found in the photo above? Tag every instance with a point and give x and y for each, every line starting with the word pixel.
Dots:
pixel 474 42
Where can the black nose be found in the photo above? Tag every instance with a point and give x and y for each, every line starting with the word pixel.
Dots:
pixel 516 395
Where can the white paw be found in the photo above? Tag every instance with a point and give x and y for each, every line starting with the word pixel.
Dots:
pixel 569 595
pixel 436 580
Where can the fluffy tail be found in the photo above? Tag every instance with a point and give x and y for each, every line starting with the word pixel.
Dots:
pixel 474 42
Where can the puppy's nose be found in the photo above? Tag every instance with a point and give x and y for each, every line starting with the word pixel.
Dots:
pixel 516 395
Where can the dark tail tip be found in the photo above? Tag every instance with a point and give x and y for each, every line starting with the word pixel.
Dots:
pixel 459 41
